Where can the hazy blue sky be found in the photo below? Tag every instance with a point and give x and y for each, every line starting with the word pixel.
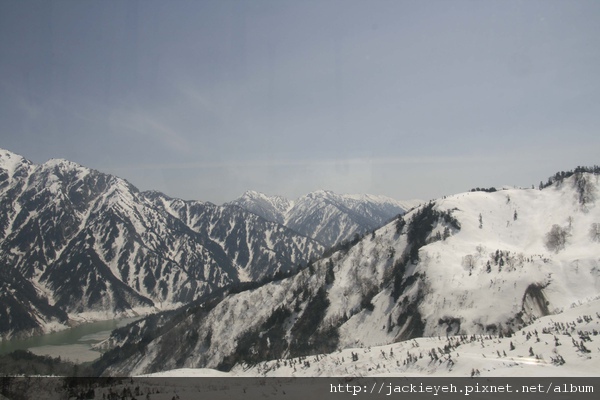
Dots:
pixel 206 99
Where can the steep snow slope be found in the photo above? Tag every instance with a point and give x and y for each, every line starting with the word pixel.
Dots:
pixel 473 263
pixel 257 247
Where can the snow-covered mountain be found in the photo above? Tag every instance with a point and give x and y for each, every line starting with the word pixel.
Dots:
pixel 77 241
pixel 272 208
pixel 325 216
pixel 477 263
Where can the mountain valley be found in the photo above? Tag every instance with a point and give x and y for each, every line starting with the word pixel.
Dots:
pixel 488 263
pixel 324 285
pixel 77 244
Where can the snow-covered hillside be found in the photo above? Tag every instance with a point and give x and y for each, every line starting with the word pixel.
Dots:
pixel 565 344
pixel 477 263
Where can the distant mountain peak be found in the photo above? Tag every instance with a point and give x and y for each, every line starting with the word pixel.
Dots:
pixel 324 215
pixel 321 192
pixel 252 194
pixel 61 162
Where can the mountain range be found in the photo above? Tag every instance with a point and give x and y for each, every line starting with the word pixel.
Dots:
pixel 266 286
pixel 77 244
pixel 488 263
pixel 325 216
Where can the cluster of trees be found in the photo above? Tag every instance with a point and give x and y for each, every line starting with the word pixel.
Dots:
pixel 367 300
pixel 307 339
pixel 264 343
pixel 585 191
pixel 418 229
pixel 488 190
pixel 306 336
pixel 411 319
pixel 421 225
pixel 343 246
pixel 562 175
pixel 240 287
pixel 23 362
pixel 502 257
pixel 448 353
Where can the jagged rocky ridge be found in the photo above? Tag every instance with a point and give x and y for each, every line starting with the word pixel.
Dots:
pixel 74 240
pixel 327 217
pixel 479 262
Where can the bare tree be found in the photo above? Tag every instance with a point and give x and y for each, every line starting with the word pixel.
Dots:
pixel 468 262
pixel 556 239
pixel 595 232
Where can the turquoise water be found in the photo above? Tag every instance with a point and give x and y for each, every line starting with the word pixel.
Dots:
pixel 73 343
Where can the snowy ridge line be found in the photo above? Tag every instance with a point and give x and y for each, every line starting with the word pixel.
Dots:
pixel 323 215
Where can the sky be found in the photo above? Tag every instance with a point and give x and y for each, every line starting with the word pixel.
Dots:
pixel 207 99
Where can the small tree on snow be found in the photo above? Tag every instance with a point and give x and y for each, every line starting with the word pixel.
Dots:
pixel 469 262
pixel 595 232
pixel 556 238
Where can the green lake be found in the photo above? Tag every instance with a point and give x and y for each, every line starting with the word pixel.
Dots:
pixel 73 344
